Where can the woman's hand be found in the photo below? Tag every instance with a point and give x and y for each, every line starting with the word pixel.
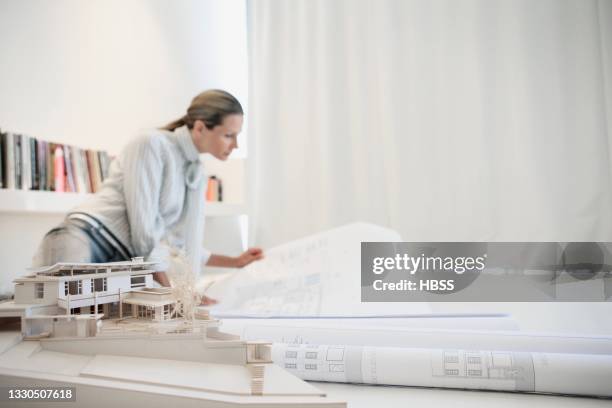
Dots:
pixel 161 278
pixel 206 301
pixel 248 256
pixel 240 261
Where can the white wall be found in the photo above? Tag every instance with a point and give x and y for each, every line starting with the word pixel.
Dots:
pixel 93 73
pixel 20 235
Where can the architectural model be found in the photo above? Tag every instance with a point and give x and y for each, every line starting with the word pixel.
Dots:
pixel 106 331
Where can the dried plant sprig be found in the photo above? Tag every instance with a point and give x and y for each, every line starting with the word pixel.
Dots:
pixel 183 281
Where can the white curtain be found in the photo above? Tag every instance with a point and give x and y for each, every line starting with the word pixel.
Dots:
pixel 446 120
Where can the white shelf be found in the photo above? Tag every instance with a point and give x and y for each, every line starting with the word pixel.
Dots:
pixel 38 202
pixel 213 209
pixel 49 202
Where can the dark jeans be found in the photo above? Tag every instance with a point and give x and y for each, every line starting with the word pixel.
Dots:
pixel 75 241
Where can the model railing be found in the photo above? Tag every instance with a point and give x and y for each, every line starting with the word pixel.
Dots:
pixel 89 299
pixel 131 326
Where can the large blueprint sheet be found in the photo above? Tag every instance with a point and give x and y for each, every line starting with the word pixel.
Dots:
pixel 319 275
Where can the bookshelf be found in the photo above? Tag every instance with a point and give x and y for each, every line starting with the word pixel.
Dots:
pixel 26 215
pixel 50 202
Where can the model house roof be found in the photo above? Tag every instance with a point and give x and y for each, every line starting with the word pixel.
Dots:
pixel 70 268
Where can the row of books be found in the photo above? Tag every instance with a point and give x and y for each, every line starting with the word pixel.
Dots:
pixel 214 189
pixel 27 163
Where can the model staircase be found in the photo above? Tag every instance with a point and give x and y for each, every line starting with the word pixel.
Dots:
pixel 257 379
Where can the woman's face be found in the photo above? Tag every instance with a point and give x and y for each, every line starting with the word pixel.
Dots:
pixel 220 140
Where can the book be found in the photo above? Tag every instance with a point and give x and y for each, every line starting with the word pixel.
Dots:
pixel 34 163
pixel 70 180
pixel 10 160
pixel 85 169
pixel 49 161
pixel 104 160
pixel 2 160
pixel 42 165
pixel 58 169
pixel 26 177
pixel 94 170
pixel 17 158
pixel 78 171
pixel 98 167
pixel 212 189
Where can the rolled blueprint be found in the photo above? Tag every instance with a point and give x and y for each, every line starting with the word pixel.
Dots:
pixel 431 338
pixel 558 373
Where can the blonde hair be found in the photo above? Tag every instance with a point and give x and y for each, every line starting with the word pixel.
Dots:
pixel 211 107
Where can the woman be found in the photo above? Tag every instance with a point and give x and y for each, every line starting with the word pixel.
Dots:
pixel 153 198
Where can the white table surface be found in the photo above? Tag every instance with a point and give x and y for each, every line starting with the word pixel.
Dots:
pixel 585 318
pixel 378 396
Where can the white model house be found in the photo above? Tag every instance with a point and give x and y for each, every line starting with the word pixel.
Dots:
pixel 47 299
